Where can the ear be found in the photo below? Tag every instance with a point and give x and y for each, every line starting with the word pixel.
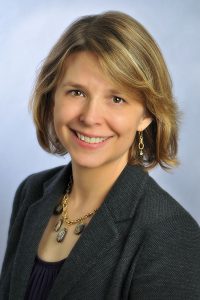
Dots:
pixel 144 123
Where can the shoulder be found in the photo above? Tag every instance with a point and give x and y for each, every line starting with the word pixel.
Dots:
pixel 32 187
pixel 169 241
pixel 157 205
pixel 147 202
pixel 43 176
pixel 36 181
pixel 167 226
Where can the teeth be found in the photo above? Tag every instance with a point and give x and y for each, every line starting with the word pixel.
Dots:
pixel 89 140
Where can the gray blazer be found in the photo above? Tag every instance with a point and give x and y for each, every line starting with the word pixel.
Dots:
pixel 141 244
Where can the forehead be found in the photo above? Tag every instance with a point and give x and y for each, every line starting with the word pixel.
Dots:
pixel 83 65
pixel 84 68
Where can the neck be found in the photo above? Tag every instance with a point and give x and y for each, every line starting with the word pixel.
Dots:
pixel 91 185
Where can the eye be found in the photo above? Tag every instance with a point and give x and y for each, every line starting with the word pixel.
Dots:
pixel 76 93
pixel 118 100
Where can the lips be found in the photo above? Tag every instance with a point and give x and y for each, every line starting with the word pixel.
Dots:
pixel 90 139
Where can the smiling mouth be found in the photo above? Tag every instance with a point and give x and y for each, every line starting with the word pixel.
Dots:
pixel 90 140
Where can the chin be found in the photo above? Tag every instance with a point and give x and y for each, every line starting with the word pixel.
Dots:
pixel 88 163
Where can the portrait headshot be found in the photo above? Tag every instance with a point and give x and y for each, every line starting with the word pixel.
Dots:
pixel 99 158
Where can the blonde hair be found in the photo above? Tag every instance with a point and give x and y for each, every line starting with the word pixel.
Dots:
pixel 131 57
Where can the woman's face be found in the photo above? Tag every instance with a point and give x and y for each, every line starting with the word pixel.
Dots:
pixel 95 120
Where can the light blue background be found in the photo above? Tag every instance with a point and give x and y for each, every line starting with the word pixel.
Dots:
pixel 28 29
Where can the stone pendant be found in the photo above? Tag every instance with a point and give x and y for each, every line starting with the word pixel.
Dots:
pixel 58 225
pixel 79 228
pixel 58 209
pixel 61 235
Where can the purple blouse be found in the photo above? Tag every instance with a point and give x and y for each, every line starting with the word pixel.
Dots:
pixel 42 278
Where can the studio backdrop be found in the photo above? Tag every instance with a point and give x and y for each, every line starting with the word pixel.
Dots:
pixel 28 29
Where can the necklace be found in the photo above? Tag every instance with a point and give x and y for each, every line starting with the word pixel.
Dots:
pixel 62 208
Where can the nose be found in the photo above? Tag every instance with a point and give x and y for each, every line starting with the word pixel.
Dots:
pixel 91 113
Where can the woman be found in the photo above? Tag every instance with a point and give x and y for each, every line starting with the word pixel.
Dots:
pixel 100 227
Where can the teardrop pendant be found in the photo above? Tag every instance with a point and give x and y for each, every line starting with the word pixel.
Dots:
pixel 58 209
pixel 79 228
pixel 61 235
pixel 58 225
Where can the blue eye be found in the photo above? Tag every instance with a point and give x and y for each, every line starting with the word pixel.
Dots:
pixel 76 93
pixel 118 100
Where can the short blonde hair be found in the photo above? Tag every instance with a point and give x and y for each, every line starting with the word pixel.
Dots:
pixel 131 57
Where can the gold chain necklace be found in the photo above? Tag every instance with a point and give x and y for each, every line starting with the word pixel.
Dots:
pixel 62 209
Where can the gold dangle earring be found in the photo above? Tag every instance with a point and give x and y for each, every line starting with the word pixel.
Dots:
pixel 141 143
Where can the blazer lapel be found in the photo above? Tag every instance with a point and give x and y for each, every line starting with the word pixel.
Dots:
pixel 99 236
pixel 36 219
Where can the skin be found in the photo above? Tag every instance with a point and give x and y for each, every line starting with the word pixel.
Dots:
pixel 89 102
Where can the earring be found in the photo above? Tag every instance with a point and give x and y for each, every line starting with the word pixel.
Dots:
pixel 141 143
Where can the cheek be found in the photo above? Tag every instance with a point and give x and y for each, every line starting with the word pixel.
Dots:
pixel 126 125
pixel 62 113
pixel 57 116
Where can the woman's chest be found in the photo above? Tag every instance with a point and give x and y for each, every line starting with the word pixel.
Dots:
pixel 49 248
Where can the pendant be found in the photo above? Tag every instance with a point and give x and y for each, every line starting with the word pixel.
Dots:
pixel 79 228
pixel 58 225
pixel 58 209
pixel 61 235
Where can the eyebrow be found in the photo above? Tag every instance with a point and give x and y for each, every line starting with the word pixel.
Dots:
pixel 70 83
pixel 80 86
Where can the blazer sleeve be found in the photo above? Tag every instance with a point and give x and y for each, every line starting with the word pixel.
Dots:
pixel 12 242
pixel 169 265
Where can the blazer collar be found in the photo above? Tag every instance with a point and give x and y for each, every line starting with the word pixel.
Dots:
pixel 125 193
pixel 119 205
